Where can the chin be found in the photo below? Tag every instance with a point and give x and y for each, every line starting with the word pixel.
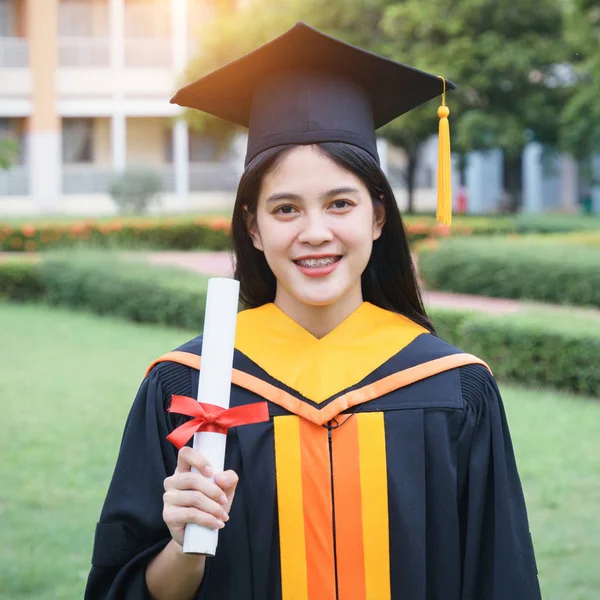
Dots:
pixel 317 298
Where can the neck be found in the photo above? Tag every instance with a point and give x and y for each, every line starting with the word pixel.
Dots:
pixel 319 320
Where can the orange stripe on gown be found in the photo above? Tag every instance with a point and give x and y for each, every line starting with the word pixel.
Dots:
pixel 348 511
pixel 305 509
pixel 318 525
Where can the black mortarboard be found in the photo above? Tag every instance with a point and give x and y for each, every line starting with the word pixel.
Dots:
pixel 306 87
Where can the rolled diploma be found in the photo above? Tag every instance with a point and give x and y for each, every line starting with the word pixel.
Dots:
pixel 214 387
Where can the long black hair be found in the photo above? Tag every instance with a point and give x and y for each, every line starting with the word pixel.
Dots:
pixel 389 280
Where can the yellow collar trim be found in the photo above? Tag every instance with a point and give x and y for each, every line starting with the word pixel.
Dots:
pixel 320 368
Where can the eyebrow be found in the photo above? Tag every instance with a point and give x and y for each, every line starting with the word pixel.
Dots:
pixel 328 194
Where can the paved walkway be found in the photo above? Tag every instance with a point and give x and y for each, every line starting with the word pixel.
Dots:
pixel 221 264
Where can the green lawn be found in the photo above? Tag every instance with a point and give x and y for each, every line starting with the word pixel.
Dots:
pixel 67 381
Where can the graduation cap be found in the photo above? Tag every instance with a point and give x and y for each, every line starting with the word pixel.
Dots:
pixel 305 87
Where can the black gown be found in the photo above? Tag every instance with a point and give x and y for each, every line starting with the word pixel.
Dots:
pixel 378 490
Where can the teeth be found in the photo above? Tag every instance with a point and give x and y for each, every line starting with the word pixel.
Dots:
pixel 317 262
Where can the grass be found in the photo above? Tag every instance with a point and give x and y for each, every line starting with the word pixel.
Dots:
pixel 66 384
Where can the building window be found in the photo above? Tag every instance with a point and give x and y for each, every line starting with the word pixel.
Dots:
pixel 201 148
pixel 78 141
pixel 7 26
pixel 14 129
pixel 75 19
pixel 147 19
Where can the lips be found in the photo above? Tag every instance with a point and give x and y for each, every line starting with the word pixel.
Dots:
pixel 317 266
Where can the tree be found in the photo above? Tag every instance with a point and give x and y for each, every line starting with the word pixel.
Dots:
pixel 9 151
pixel 502 53
pixel 231 35
pixel 580 122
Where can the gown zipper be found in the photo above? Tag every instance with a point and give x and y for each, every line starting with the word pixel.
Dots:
pixel 335 566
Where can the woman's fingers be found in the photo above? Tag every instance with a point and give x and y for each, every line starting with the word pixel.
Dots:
pixel 227 481
pixel 188 458
pixel 177 517
pixel 195 482
pixel 196 500
pixel 194 497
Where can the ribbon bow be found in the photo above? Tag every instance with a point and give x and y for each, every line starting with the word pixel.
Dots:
pixel 210 417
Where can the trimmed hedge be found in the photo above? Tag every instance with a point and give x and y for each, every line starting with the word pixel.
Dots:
pixel 539 350
pixel 151 233
pixel 522 269
pixel 134 291
pixel 554 348
pixel 20 281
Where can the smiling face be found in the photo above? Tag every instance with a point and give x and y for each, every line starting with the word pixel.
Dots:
pixel 315 223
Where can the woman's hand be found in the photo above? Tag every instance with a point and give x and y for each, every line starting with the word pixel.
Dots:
pixel 195 498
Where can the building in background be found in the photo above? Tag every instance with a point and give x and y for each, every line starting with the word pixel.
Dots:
pixel 84 88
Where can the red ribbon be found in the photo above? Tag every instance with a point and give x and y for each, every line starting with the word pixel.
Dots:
pixel 210 417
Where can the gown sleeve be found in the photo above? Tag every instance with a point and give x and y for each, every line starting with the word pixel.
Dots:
pixel 498 558
pixel 131 529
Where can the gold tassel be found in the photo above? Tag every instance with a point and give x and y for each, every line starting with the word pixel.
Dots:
pixel 444 199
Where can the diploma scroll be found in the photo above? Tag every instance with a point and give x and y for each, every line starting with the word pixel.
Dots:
pixel 214 387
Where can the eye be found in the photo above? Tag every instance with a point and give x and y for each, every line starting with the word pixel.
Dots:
pixel 284 209
pixel 341 204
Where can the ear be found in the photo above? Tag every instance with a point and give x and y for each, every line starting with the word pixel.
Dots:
pixel 378 219
pixel 252 227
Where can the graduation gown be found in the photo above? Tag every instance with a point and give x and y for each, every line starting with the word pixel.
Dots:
pixel 358 487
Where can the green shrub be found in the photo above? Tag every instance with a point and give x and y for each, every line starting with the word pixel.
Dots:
pixel 20 281
pixel 151 233
pixel 552 348
pixel 135 291
pixel 559 274
pixel 448 323
pixel 539 350
pixel 134 189
pixel 557 223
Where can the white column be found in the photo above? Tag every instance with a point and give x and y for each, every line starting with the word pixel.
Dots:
pixel 382 150
pixel 181 158
pixel 484 181
pixel 569 188
pixel 181 162
pixel 595 191
pixel 532 178
pixel 44 136
pixel 118 140
pixel 239 147
pixel 117 59
pixel 44 162
pixel 179 10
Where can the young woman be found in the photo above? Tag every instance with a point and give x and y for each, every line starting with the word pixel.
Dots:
pixel 385 469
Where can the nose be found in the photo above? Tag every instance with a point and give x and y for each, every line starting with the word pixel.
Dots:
pixel 315 229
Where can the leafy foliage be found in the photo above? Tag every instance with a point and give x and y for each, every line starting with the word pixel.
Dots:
pixel 134 189
pixel 502 54
pixel 107 285
pixel 580 119
pixel 184 234
pixel 523 269
pixel 9 151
